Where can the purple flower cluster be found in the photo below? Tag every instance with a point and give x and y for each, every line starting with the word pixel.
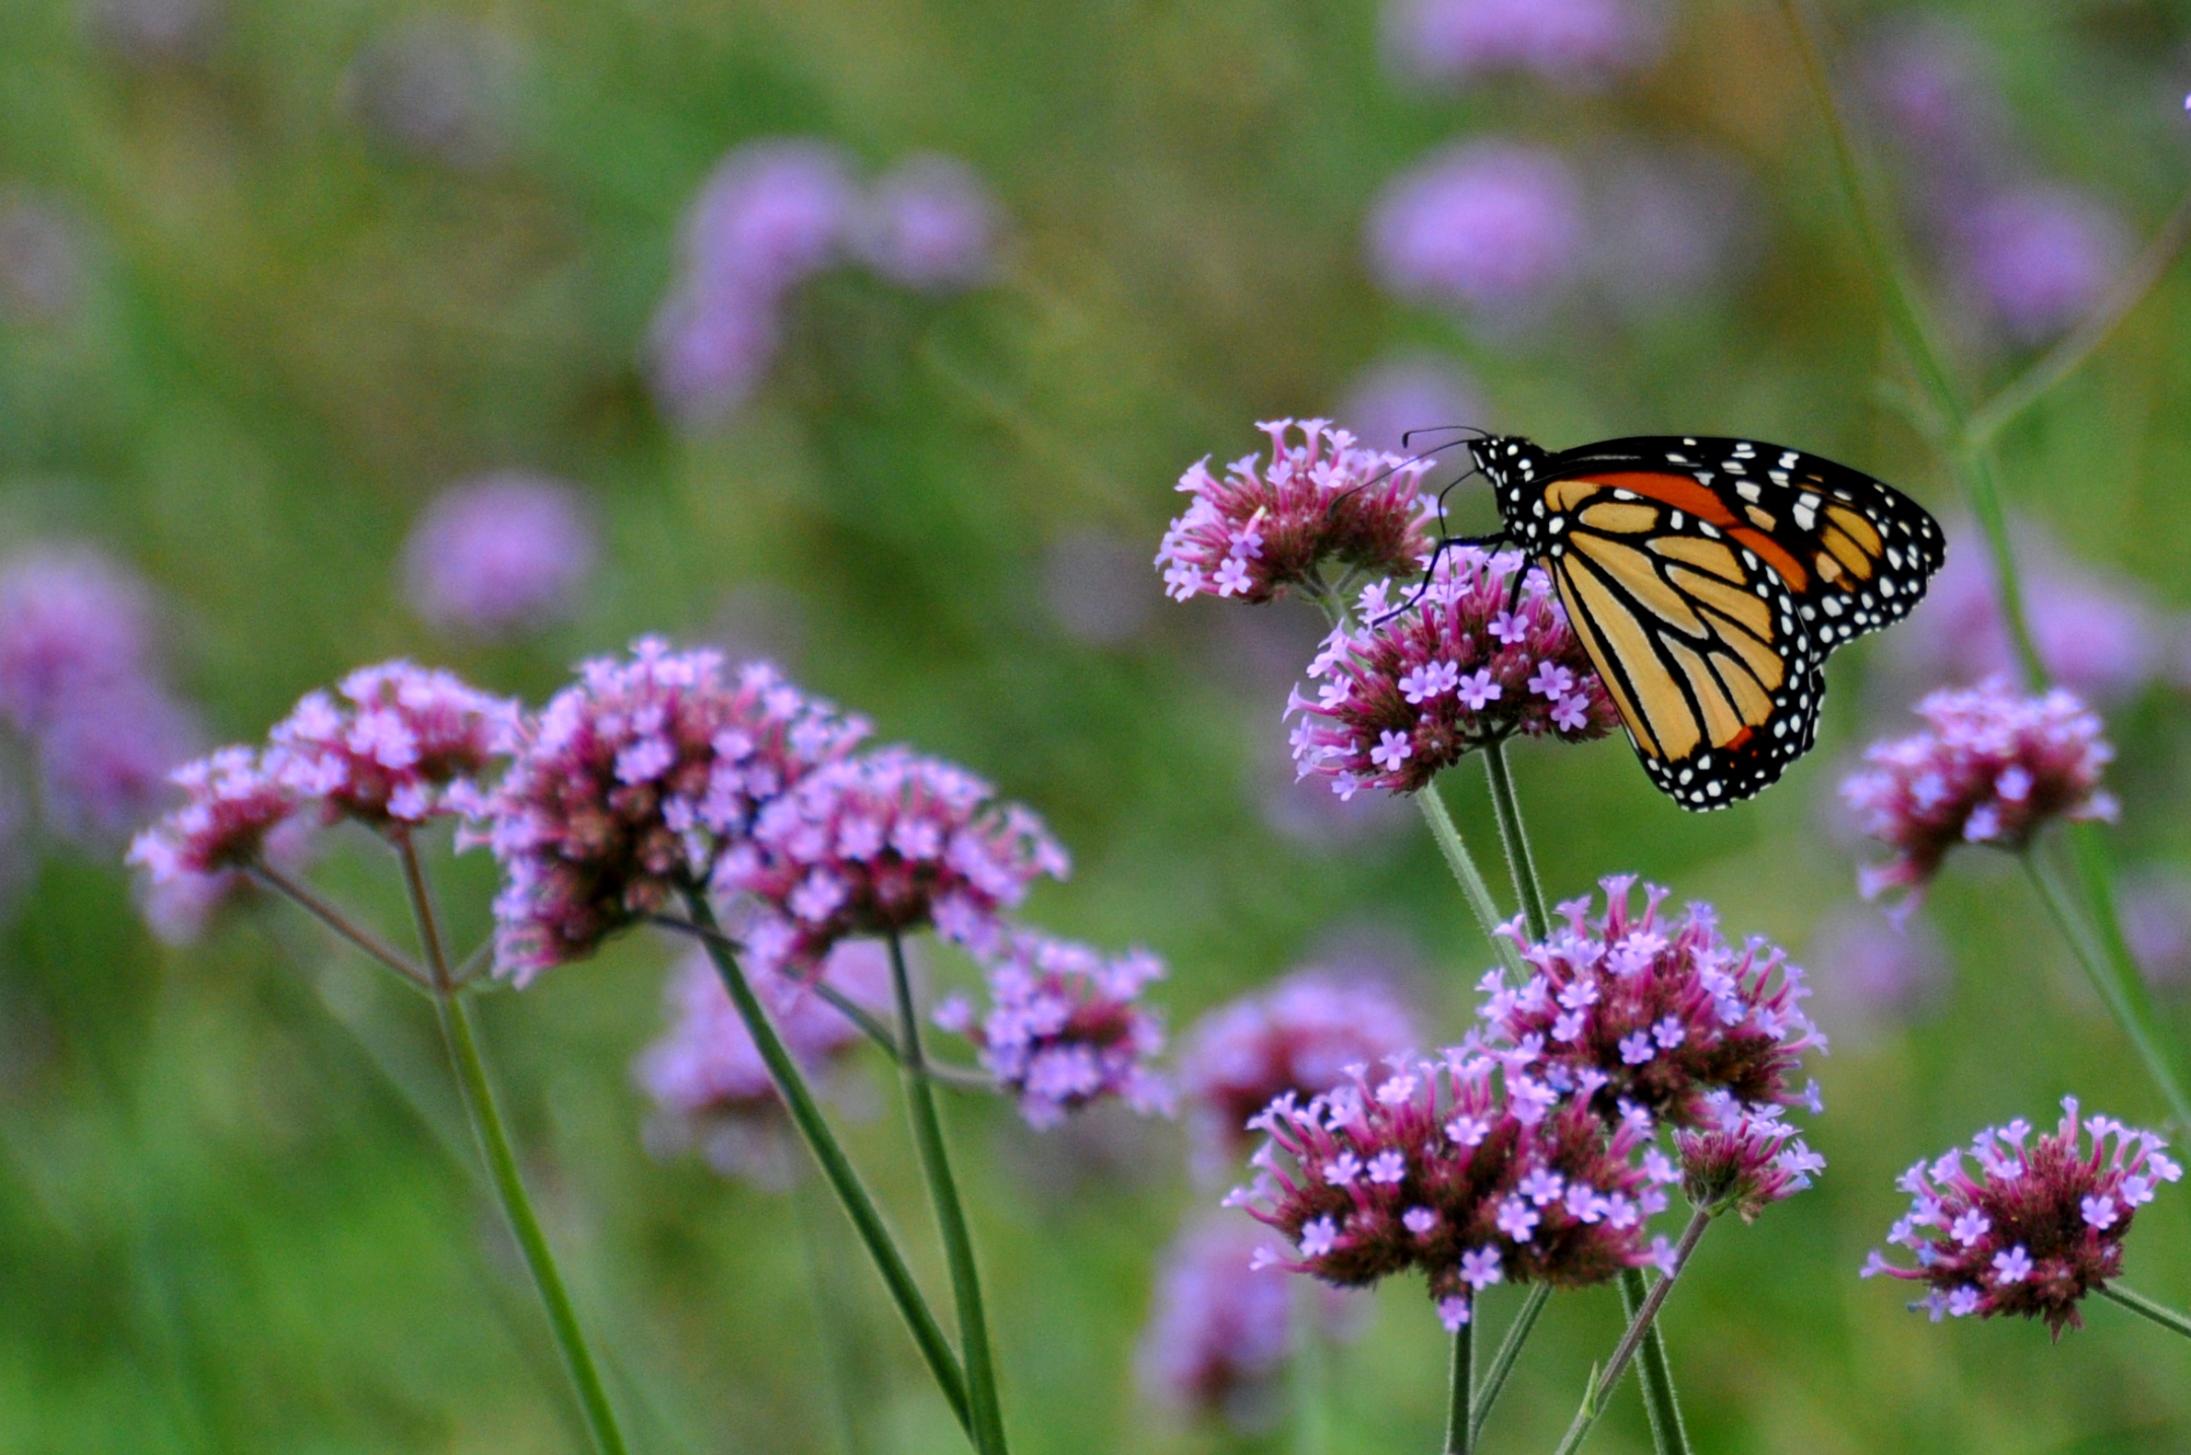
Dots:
pixel 1409 391
pixel 2038 257
pixel 776 212
pixel 1259 531
pixel 706 1077
pixel 1402 699
pixel 629 786
pixel 1991 766
pixel 1575 42
pixel 1299 1037
pixel 1494 229
pixel 1743 1159
pixel 1643 1014
pixel 232 800
pixel 104 762
pixel 500 554
pixel 1064 1027
pixel 2041 1224
pixel 394 746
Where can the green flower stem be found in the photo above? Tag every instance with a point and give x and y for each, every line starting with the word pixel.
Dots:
pixel 1510 1350
pixel 1519 862
pixel 1460 1421
pixel 2139 1304
pixel 2122 990
pixel 1642 1322
pixel 943 1195
pixel 457 1033
pixel 1470 878
pixel 836 1168
pixel 339 921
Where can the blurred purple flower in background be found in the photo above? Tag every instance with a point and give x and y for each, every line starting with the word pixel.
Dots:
pixel 500 554
pixel 155 32
pixel 42 262
pixel 1094 587
pixel 1928 85
pixel 440 88
pixel 931 224
pixel 1574 42
pixel 772 213
pixel 709 351
pixel 1668 225
pixel 104 763
pixel 1220 1331
pixel 1306 811
pixel 73 622
pixel 2156 911
pixel 1411 391
pixel 1872 972
pixel 1494 228
pixel 2037 257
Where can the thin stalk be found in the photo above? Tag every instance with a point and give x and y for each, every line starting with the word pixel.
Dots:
pixel 943 1196
pixel 1643 1319
pixel 1460 1421
pixel 338 920
pixel 455 1018
pixel 2121 989
pixel 1510 1350
pixel 1469 877
pixel 2139 1304
pixel 1519 863
pixel 836 1167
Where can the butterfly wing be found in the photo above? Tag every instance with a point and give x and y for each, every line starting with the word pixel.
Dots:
pixel 1709 579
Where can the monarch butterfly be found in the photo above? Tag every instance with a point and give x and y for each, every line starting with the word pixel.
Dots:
pixel 1709 579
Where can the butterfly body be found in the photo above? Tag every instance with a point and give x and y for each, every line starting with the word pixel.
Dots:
pixel 1709 579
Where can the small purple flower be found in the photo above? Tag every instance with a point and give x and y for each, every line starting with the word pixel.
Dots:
pixel 1664 1013
pixel 1991 766
pixel 1065 1027
pixel 394 746
pixel 1493 228
pixel 1743 1160
pixel 1363 729
pixel 500 554
pixel 156 32
pixel 2055 1212
pixel 709 349
pixel 773 213
pixel 233 800
pixel 1414 391
pixel 2156 911
pixel 931 223
pixel 1299 1036
pixel 104 763
pixel 2039 257
pixel 1929 87
pixel 72 622
pixel 1261 531
pixel 887 842
pixel 1572 42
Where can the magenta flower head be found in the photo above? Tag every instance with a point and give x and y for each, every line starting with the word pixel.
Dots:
pixel 710 349
pixel 1322 501
pixel 1409 694
pixel 773 213
pixel 2039 257
pixel 1652 1015
pixel 1493 228
pixel 232 801
pixel 2040 1226
pixel 1458 1171
pixel 1742 1160
pixel 394 746
pixel 500 554
pixel 104 763
pixel 1991 766
pixel 1575 42
pixel 72 620
pixel 711 1089
pixel 884 843
pixel 632 783
pixel 1300 1036
pixel 931 223
pixel 1220 1332
pixel 1065 1027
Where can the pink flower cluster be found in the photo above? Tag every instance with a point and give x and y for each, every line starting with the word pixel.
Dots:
pixel 1299 1036
pixel 1405 696
pixel 394 745
pixel 1634 1013
pixel 632 782
pixel 1470 1175
pixel 2041 1224
pixel 1064 1027
pixel 72 622
pixel 883 843
pixel 1991 766
pixel 233 800
pixel 1323 500
pixel 1743 1160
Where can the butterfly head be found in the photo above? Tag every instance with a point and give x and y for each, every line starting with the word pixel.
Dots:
pixel 1515 467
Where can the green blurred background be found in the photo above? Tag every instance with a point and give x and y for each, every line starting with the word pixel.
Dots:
pixel 238 1205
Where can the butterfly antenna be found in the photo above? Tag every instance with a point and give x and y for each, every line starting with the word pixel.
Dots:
pixel 1382 475
pixel 1445 543
pixel 1407 436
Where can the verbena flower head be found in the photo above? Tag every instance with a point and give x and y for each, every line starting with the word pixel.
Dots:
pixel 179 905
pixel 772 213
pixel 1065 1027
pixel 930 223
pixel 887 842
pixel 1402 697
pixel 104 762
pixel 232 800
pixel 1220 1332
pixel 1409 391
pixel 72 620
pixel 1651 1014
pixel 709 349
pixel 1576 42
pixel 2039 257
pixel 706 1077
pixel 394 745
pixel 1743 1160
pixel 632 782
pixel 499 554
pixel 1438 1168
pixel 1991 766
pixel 2038 1227
pixel 1322 501
pixel 1301 1036
pixel 1493 228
